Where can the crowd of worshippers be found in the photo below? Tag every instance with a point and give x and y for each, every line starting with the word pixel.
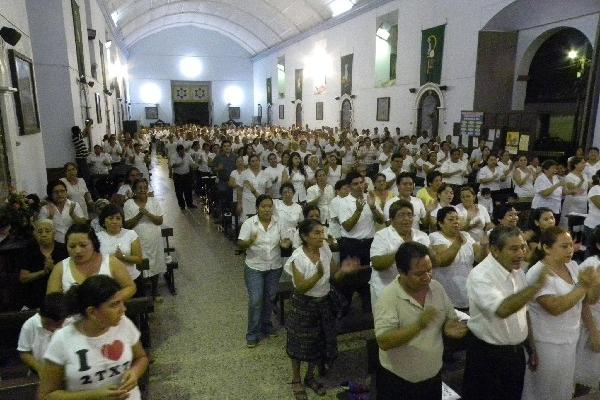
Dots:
pixel 416 227
pixel 342 213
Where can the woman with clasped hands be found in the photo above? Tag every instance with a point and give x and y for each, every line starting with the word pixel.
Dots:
pixel 410 317
pixel 555 316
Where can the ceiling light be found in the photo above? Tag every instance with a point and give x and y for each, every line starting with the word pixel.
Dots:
pixel 108 44
pixel 150 93
pixel 190 67
pixel 234 96
pixel 384 31
pixel 338 7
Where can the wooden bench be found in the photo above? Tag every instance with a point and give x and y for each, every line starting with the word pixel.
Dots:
pixel 19 388
pixel 171 259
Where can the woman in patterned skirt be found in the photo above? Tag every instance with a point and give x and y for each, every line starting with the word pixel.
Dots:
pixel 311 335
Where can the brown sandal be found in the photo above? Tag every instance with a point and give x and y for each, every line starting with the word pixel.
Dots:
pixel 316 386
pixel 299 391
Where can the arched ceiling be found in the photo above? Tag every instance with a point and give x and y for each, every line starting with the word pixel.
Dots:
pixel 255 24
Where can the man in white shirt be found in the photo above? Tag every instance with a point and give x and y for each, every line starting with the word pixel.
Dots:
pixel 498 296
pixel 274 171
pixel 410 317
pixel 100 164
pixel 454 170
pixel 181 165
pixel 491 175
pixel 358 229
pixel 405 185
pixel 392 172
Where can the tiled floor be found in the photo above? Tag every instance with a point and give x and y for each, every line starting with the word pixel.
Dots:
pixel 198 336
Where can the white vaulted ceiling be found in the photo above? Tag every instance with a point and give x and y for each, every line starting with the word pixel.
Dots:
pixel 255 24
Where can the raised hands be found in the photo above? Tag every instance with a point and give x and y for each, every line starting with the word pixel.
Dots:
pixel 427 316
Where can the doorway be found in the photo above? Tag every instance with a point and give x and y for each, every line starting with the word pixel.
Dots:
pixel 299 115
pixel 428 113
pixel 191 113
pixel 346 114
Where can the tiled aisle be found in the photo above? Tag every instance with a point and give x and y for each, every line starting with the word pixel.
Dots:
pixel 198 336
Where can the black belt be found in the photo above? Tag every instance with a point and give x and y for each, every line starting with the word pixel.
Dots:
pixel 504 348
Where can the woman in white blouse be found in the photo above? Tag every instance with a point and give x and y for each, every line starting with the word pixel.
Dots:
pixel 523 176
pixel 556 316
pixel 77 190
pixel 445 195
pixel 296 174
pixel 575 190
pixel 333 170
pixel 260 237
pixel 62 211
pixel 311 333
pixel 123 244
pixel 288 213
pixel 456 252
pixel 548 189
pixel 474 218
pixel 255 183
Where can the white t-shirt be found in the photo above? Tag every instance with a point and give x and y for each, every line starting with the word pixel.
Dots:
pixel 62 220
pixel 306 267
pixel 482 218
pixel 486 173
pixel 553 201
pixel 77 193
pixel 387 241
pixel 265 253
pixel 593 218
pixel 123 240
pixel 449 166
pixel 364 227
pixel 557 329
pixel 94 362
pixel 454 276
pixel 239 180
pixel 525 190
pixel 418 210
pixel 287 217
pixel 275 175
pixel 34 338
pixel 324 200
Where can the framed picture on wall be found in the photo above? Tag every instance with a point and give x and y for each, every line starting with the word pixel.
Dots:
pixel 281 111
pixel 21 69
pixel 98 108
pixel 151 112
pixel 234 113
pixel 319 111
pixel 383 109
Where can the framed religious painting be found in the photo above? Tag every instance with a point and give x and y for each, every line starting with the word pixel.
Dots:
pixel 98 104
pixel 234 112
pixel 383 109
pixel 21 69
pixel 281 111
pixel 151 112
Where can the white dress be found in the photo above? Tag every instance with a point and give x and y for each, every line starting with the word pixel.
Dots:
pixel 555 341
pixel 298 181
pixel 334 175
pixel 150 235
pixel 587 363
pixel 553 201
pixel 454 276
pixel 123 240
pixel 287 217
pixel 526 189
pixel 77 193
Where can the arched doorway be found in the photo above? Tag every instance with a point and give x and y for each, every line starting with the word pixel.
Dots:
pixel 299 115
pixel 269 114
pixel 557 84
pixel 428 113
pixel 346 117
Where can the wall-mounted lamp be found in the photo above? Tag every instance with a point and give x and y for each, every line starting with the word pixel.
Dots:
pixel 383 32
pixel 91 83
pixel 352 96
pixel 337 98
pixel 293 101
pixel 108 44
pixel 443 87
pixel 10 35
pixel 107 92
pixel 413 90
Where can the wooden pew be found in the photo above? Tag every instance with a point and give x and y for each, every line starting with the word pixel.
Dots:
pixel 172 262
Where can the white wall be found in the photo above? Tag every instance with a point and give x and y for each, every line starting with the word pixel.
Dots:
pixel 156 58
pixel 25 153
pixel 463 19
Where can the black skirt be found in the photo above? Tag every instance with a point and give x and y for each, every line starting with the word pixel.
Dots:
pixel 311 332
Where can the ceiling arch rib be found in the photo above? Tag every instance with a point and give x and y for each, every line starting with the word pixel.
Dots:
pixel 244 38
pixel 255 13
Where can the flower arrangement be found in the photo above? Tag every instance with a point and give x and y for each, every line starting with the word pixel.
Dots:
pixel 17 213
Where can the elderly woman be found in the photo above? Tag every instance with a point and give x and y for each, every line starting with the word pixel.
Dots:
pixel 548 189
pixel 123 244
pixel 98 356
pixel 260 237
pixel 37 261
pixel 311 334
pixel 85 260
pixel 144 215
pixel 555 316
pixel 456 252
pixel 62 211
pixel 77 190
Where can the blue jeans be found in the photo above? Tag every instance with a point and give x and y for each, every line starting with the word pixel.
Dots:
pixel 262 289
